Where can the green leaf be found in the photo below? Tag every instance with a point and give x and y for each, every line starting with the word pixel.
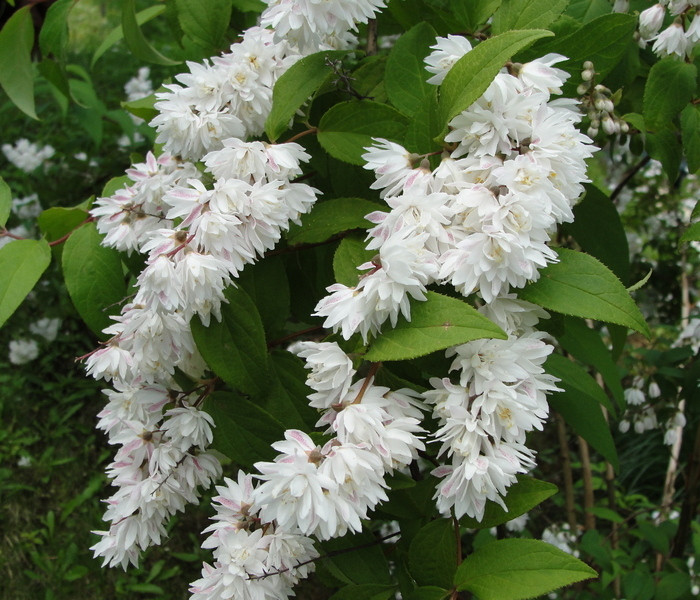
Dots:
pixel 580 405
pixel 356 559
pixel 142 108
pixel 94 277
pixel 331 217
pixel 673 586
pixel 598 229
pixel 432 556
pixel 690 132
pixel 516 569
pixel 641 283
pixel 53 36
pixel 21 263
pixel 351 253
pixel 5 202
pixel 522 497
pixel 473 13
pixel 405 82
pixel 585 11
pixel 143 16
pixel 205 21
pixel 581 286
pixel 587 346
pixel 424 127
pixel 692 234
pixel 527 14
pixel 56 222
pixel 295 86
pixel 235 347
pixel 664 145
pixel 437 323
pixel 428 592
pixel 660 106
pixel 365 591
pixel 268 287
pixel 349 127
pixel 287 397
pixel 468 79
pixel 115 184
pixel 136 41
pixel 368 78
pixel 244 431
pixel 17 74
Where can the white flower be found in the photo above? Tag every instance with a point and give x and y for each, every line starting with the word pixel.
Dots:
pixel 23 351
pixel 26 155
pixel 634 397
pixel 27 208
pixel 672 41
pixel 331 372
pixel 46 328
pixel 541 76
pixel 650 21
pixel 446 52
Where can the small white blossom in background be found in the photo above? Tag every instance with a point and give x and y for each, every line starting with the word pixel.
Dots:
pixel 46 328
pixel 26 155
pixel 139 86
pixel 27 208
pixel 562 537
pixel 24 462
pixel 23 351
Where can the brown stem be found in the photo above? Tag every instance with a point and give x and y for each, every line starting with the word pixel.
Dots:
pixel 365 384
pixel 327 555
pixel 689 508
pixel 301 134
pixel 568 473
pixel 371 37
pixel 588 498
pixel 458 537
pixel 291 336
pixel 627 176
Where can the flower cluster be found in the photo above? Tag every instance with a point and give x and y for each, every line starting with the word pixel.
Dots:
pixel 680 37
pixel 26 155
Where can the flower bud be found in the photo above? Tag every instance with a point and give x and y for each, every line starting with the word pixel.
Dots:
pixel 582 89
pixel 587 75
pixel 592 132
pixel 588 65
pixel 608 125
pixel 609 106
pixel 621 6
pixel 624 127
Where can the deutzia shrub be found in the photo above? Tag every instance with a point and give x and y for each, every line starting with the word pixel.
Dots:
pixel 346 284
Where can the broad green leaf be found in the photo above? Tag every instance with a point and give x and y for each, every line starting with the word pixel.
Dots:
pixel 5 202
pixel 406 76
pixel 295 86
pixel 599 231
pixel 58 78
pixel 115 184
pixel 53 37
pixel 641 283
pixel 526 14
pixel 135 40
pixel 235 348
pixel 664 145
pixel 581 286
pixel 268 287
pixel 638 585
pixel 21 263
pixel 690 132
pixel 516 569
pixel 580 405
pixel 472 13
pixel 56 222
pixel 142 108
pixel 587 346
pixel 17 74
pixel 364 562
pixel 244 431
pixel 349 127
pixel 365 591
pixel 432 556
pixel 522 497
pixel 205 21
pixel 424 127
pixel 428 592
pixel 607 514
pixel 94 277
pixel 673 586
pixel 143 16
pixel 368 78
pixel 692 234
pixel 412 503
pixel 437 323
pixel 331 217
pixel 660 106
pixel 255 6
pixel 351 253
pixel 287 397
pixel 474 72
pixel 585 11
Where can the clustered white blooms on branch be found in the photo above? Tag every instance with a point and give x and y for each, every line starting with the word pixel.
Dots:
pixel 480 221
pixel 680 37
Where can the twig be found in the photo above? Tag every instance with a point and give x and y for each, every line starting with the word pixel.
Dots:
pixel 301 134
pixel 365 384
pixel 371 37
pixel 627 176
pixel 327 555
pixel 588 497
pixel 568 474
